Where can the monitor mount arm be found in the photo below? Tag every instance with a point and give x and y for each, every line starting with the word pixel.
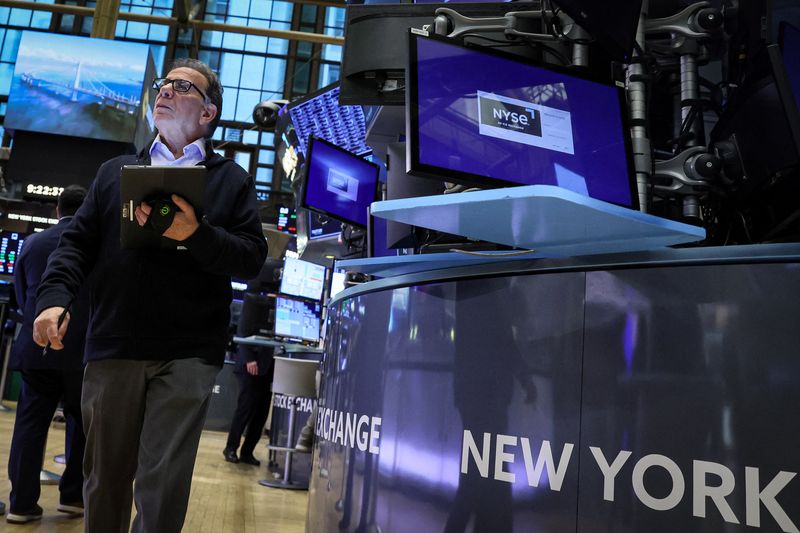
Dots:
pixel 689 175
pixel 516 26
pixel 688 29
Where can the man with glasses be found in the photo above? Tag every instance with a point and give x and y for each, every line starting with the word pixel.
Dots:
pixel 159 321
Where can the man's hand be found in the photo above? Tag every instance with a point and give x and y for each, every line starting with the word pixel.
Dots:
pixel 183 225
pixel 252 368
pixel 45 328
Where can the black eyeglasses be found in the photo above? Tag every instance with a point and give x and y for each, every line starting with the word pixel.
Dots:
pixel 181 86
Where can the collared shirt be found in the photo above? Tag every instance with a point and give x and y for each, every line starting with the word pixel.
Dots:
pixel 192 154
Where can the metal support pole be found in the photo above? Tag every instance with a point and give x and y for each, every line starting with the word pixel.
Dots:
pixel 637 102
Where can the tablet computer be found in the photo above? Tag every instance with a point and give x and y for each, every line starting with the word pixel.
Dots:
pixel 141 183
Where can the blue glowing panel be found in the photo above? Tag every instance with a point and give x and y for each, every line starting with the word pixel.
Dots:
pixel 10 248
pixel 77 86
pixel 482 118
pixel 296 319
pixel 338 183
pixel 320 226
pixel 790 44
pixel 322 116
pixel 302 278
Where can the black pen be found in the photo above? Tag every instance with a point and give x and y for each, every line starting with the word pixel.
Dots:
pixel 61 318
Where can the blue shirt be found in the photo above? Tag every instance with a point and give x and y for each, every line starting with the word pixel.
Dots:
pixel 192 154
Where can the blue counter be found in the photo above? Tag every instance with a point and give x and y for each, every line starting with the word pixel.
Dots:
pixel 647 392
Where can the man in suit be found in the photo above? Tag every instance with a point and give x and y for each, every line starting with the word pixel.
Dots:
pixel 46 379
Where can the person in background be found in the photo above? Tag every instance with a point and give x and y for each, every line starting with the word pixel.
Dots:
pixel 159 323
pixel 46 380
pixel 254 372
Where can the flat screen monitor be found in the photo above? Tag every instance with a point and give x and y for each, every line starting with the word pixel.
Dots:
pixel 297 319
pixel 78 86
pixel 303 279
pixel 790 46
pixel 287 220
pixel 11 244
pixel 321 226
pixel 483 118
pixel 338 183
pixel 320 115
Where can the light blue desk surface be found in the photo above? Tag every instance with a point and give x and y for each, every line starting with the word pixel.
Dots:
pixel 552 221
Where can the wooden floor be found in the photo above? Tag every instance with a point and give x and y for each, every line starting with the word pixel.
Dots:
pixel 225 497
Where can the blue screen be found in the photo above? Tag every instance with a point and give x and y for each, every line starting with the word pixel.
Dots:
pixel 77 86
pixel 296 319
pixel 791 59
pixel 339 183
pixel 320 226
pixel 497 121
pixel 322 116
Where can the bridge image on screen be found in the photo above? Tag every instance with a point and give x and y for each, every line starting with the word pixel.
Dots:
pixel 77 86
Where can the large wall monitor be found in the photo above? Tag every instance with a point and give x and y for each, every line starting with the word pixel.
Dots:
pixel 480 117
pixel 338 183
pixel 77 86
pixel 303 279
pixel 297 319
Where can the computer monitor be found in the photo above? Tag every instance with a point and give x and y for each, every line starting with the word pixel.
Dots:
pixel 483 118
pixel 11 243
pixel 81 87
pixel 303 279
pixel 297 319
pixel 789 41
pixel 338 183
pixel 321 226
pixel 287 219
pixel 320 115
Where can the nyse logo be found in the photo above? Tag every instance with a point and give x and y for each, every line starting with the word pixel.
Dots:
pixel 508 116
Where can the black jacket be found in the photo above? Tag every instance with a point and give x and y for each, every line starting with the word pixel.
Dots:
pixel 159 304
pixel 26 354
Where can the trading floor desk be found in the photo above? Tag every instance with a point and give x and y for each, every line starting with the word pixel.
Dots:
pixel 647 392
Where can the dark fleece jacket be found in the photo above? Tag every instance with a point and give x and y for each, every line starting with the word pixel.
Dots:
pixel 158 304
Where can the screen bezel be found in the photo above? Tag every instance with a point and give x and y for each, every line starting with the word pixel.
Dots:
pixel 416 168
pixel 303 301
pixel 307 168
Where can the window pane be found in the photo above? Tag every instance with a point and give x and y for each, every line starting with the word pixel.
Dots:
pixel 252 71
pixel 278 46
pixel 243 158
pixel 19 17
pixel 212 39
pixel 263 175
pixel 4 11
pixel 250 137
pixel 266 157
pixel 6 73
pixel 159 32
pixel 229 103
pixel 10 46
pixel 244 107
pixel 332 52
pixel 136 30
pixel 267 138
pixel 122 26
pixel 256 43
pixel 274 75
pixel 238 8
pixel 41 20
pixel 282 11
pixel 230 69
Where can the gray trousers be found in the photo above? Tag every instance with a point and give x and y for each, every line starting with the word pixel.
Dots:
pixel 143 421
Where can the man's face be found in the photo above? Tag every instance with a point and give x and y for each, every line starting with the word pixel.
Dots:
pixel 183 117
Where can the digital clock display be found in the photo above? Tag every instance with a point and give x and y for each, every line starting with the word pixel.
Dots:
pixel 44 190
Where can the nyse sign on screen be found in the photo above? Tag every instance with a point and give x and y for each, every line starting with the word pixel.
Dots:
pixel 490 454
